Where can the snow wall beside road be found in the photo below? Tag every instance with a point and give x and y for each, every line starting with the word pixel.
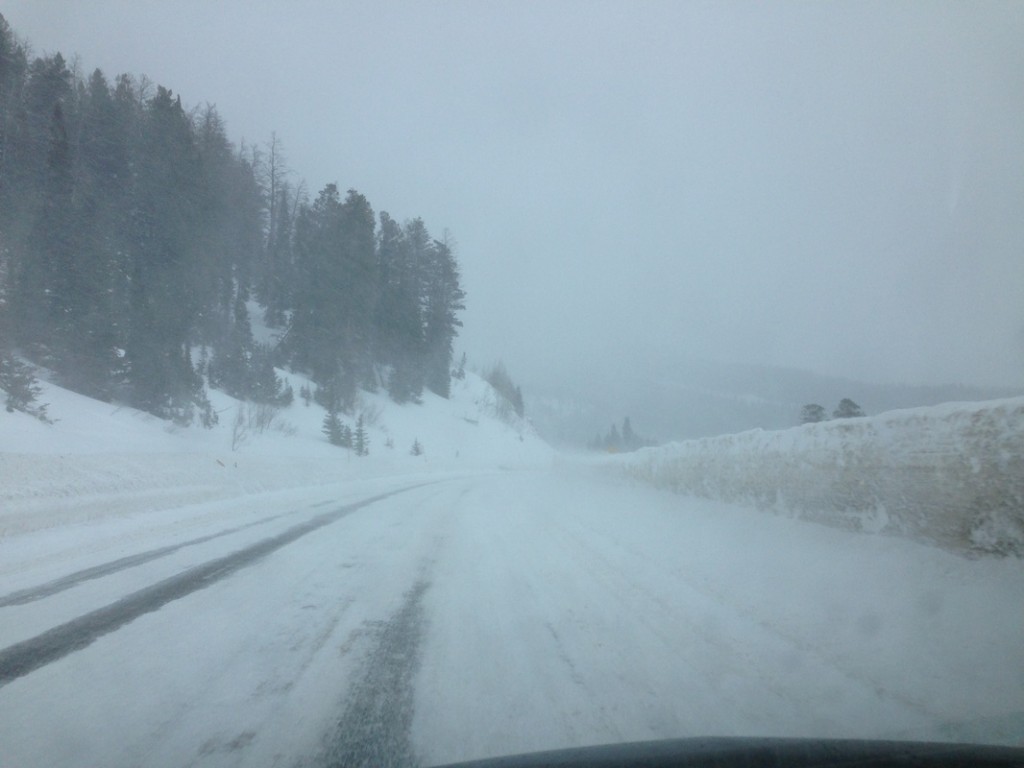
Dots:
pixel 951 474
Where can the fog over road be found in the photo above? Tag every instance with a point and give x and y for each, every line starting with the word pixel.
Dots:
pixel 426 620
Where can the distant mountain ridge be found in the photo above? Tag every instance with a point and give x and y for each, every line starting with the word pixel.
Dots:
pixel 682 399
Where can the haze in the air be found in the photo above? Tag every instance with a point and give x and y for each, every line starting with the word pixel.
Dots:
pixel 836 187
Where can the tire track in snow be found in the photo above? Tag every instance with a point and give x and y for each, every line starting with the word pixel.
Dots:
pixel 25 657
pixel 374 730
pixel 31 594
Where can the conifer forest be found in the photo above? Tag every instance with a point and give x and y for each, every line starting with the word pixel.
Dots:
pixel 137 240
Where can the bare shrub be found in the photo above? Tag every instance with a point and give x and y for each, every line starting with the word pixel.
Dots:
pixel 257 418
pixel 370 413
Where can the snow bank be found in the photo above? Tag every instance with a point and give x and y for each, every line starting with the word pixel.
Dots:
pixel 951 474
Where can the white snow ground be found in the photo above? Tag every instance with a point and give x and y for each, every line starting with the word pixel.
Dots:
pixel 535 604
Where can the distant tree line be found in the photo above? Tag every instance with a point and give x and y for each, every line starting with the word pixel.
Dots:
pixel 134 237
pixel 813 413
pixel 617 440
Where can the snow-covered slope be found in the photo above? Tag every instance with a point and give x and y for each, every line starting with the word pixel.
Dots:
pixel 115 460
pixel 951 474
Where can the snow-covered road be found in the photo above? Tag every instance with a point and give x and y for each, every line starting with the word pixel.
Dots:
pixel 436 619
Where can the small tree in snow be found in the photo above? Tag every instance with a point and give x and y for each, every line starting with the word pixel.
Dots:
pixel 333 428
pixel 812 413
pixel 460 371
pixel 18 380
pixel 361 441
pixel 417 449
pixel 847 409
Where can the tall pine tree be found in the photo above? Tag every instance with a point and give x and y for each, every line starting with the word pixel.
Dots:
pixel 443 299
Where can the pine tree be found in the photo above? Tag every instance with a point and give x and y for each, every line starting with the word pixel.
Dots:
pixel 417 448
pixel 163 255
pixel 89 362
pixel 44 283
pixel 13 67
pixel 274 275
pixel 399 313
pixel 443 299
pixel 265 386
pixel 277 276
pixel 332 428
pixel 331 328
pixel 361 441
pixel 847 409
pixel 19 383
pixel 628 437
pixel 230 367
pixel 45 83
pixel 812 413
pixel 613 442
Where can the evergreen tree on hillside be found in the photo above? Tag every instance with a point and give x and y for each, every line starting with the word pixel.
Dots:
pixel 89 361
pixel 47 83
pixel 358 264
pixel 275 288
pixel 265 386
pixel 38 173
pixel 163 256
pixel 275 279
pixel 331 326
pixel 216 280
pixel 104 139
pixel 443 298
pixel 20 387
pixel 313 320
pixel 332 428
pixel 229 369
pixel 399 321
pixel 13 67
pixel 360 440
pixel 49 280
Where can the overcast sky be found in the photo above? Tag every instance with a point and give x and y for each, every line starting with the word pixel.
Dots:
pixel 837 187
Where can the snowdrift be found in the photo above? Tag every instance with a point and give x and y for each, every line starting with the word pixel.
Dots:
pixel 952 474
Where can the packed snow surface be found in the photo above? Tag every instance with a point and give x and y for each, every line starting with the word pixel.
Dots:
pixel 289 604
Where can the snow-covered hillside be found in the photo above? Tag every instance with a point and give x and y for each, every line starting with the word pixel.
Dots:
pixel 950 474
pixel 116 460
